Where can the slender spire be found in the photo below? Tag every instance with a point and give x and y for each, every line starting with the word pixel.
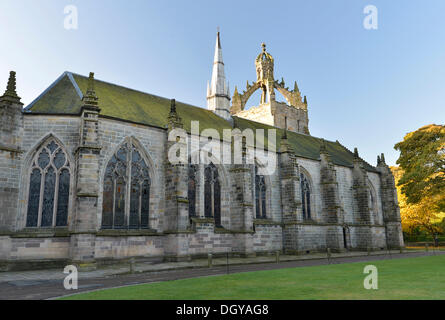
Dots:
pixel 218 93
pixel 90 99
pixel 11 93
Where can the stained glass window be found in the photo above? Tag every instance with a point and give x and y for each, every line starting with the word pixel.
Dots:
pixel 305 196
pixel 260 195
pixel 212 194
pixel 49 188
pixel 126 196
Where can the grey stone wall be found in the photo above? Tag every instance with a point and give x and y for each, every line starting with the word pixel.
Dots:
pixel 172 234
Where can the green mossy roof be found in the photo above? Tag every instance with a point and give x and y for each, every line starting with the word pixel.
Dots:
pixel 139 107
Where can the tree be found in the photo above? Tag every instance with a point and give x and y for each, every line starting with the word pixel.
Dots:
pixel 422 159
pixel 422 216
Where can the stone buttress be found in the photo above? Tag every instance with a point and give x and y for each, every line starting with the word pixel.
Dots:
pixel 176 219
pixel 330 201
pixel 11 133
pixel 292 215
pixel 242 204
pixel 84 224
pixel 391 210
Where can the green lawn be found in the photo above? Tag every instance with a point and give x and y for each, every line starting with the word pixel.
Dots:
pixel 413 278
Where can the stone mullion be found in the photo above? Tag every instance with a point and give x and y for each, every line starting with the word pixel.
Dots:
pixel 200 192
pixel 129 183
pixel 141 183
pixel 42 191
pixel 56 195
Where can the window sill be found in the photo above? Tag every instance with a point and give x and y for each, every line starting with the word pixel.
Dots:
pixel 202 220
pixel 265 222
pixel 41 233
pixel 223 230
pixel 126 232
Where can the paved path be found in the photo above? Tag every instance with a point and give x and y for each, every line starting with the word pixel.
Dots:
pixel 49 283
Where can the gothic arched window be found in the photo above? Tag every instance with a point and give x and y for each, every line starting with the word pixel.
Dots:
pixel 212 194
pixel 126 195
pixel 49 188
pixel 191 194
pixel 260 195
pixel 305 196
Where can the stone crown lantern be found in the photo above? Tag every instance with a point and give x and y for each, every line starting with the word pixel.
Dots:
pixel 291 115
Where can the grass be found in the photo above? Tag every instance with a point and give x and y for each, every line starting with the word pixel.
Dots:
pixel 410 278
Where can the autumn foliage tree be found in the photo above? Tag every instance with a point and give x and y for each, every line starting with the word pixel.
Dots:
pixel 421 177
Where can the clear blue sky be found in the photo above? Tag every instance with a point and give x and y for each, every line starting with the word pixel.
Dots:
pixel 366 88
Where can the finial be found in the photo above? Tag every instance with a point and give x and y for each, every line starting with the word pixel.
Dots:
pixel 218 38
pixel 378 160
pixel 383 158
pixel 264 47
pixel 305 100
pixel 90 97
pixel 355 153
pixel 296 87
pixel 172 106
pixel 11 88
pixel 236 91
pixel 91 82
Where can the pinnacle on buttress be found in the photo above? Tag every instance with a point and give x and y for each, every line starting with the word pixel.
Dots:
pixel 10 93
pixel 383 159
pixel 356 154
pixel 285 128
pixel 174 121
pixel 305 100
pixel 323 147
pixel 172 106
pixel 90 99
pixel 378 160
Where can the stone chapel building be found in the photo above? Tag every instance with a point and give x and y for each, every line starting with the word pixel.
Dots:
pixel 85 178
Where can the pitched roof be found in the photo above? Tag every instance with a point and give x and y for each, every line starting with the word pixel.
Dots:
pixel 65 94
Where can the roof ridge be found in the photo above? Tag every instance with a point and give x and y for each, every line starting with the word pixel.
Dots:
pixel 139 91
